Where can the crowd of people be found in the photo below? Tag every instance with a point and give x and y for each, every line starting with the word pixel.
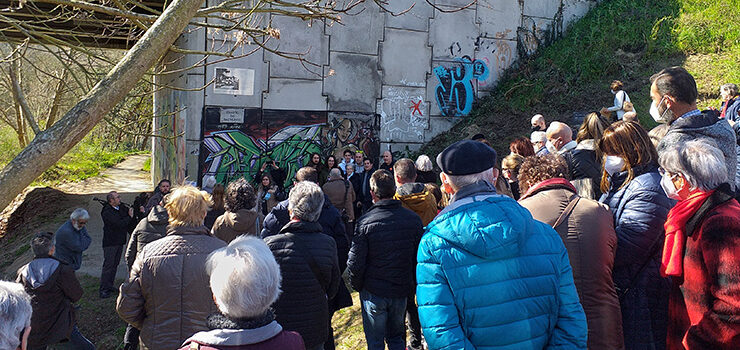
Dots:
pixel 619 238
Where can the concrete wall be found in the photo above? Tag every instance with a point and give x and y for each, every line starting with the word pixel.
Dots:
pixel 377 82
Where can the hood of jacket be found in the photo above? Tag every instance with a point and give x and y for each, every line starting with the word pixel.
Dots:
pixel 39 271
pixel 482 222
pixel 705 124
pixel 158 215
pixel 241 220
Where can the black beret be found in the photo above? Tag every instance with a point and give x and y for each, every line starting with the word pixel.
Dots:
pixel 466 157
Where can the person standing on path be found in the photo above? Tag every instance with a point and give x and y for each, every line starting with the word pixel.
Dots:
pixel 117 221
pixel 72 239
pixel 163 188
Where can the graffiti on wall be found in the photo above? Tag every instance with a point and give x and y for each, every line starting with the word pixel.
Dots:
pixel 455 91
pixel 234 150
pixel 402 116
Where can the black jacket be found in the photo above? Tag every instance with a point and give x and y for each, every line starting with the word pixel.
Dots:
pixel 382 259
pixel 149 229
pixel 303 304
pixel 583 165
pixel 53 288
pixel 363 195
pixel 116 225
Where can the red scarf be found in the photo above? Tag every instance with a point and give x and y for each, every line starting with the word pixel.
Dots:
pixel 675 234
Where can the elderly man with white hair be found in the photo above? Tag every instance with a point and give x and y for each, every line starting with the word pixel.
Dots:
pixel 538 123
pixel 539 140
pixel 15 316
pixel 560 138
pixel 308 266
pixel 488 274
pixel 72 239
pixel 245 281
pixel 702 248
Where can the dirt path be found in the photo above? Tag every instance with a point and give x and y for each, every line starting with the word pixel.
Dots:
pixel 128 179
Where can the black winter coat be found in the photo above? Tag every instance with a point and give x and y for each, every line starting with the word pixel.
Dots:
pixel 303 304
pixel 116 225
pixel 382 259
pixel 584 166
pixel 53 288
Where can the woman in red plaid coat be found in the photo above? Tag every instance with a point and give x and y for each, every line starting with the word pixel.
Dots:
pixel 702 249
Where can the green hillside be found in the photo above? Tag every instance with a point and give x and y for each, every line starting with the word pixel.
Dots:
pixel 628 40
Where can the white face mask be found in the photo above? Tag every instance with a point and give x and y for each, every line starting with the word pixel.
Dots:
pixel 668 187
pixel 614 92
pixel 613 164
pixel 657 116
pixel 550 147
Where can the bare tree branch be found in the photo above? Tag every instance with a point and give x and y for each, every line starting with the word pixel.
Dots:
pixel 20 99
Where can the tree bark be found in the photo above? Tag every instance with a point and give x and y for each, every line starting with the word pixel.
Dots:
pixel 20 100
pixel 51 144
pixel 58 92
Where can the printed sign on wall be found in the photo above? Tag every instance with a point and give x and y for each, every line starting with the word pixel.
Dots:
pixel 234 81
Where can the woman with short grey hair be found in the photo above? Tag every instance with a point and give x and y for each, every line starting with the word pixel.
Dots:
pixel 425 170
pixel 730 103
pixel 245 281
pixel 15 316
pixel 702 248
pixel 308 266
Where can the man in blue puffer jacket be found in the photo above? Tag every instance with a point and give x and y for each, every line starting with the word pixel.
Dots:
pixel 489 276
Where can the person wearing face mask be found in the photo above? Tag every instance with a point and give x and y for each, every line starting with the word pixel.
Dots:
pixel 620 98
pixel 631 186
pixel 72 239
pixel 702 249
pixel 538 123
pixel 539 141
pixel 560 138
pixel 673 92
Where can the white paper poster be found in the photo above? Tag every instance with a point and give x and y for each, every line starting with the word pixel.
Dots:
pixel 232 115
pixel 234 81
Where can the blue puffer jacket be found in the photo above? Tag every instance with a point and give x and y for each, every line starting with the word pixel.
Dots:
pixel 640 209
pixel 491 277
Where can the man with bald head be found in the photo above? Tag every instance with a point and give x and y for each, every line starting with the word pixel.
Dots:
pixel 538 123
pixel 559 138
pixel 387 163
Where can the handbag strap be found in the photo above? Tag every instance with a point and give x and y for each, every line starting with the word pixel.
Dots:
pixel 566 212
pixel 653 250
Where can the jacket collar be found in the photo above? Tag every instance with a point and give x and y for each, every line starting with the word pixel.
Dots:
pixel 236 337
pixel 722 194
pixel 477 188
pixel 410 188
pixel 301 227
pixel 386 203
pixel 589 144
pixel 187 230
pixel 695 121
pixel 549 184
pixel 616 180
pixel 567 147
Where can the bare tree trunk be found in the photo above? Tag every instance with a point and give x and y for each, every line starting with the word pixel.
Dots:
pixel 21 130
pixel 58 92
pixel 50 145
pixel 20 100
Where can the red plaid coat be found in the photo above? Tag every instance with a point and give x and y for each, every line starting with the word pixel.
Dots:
pixel 704 308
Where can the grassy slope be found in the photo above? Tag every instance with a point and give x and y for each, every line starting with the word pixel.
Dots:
pixel 627 40
pixel 85 160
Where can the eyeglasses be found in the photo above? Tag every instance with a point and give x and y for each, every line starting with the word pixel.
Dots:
pixel 662 172
pixel 81 223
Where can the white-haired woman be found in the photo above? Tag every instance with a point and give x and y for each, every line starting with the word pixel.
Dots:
pixel 15 316
pixel 702 248
pixel 167 295
pixel 245 281
pixel 425 170
pixel 308 265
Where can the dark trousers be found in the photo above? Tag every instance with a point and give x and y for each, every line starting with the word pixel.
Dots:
pixel 131 338
pixel 412 316
pixel 76 341
pixel 111 259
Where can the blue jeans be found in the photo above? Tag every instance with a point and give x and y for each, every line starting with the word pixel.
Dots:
pixel 383 320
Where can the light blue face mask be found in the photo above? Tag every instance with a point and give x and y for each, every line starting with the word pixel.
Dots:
pixel 613 164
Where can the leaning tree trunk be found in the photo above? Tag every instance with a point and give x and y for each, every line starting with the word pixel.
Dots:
pixel 50 145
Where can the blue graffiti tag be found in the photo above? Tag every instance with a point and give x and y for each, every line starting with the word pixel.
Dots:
pixel 455 90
